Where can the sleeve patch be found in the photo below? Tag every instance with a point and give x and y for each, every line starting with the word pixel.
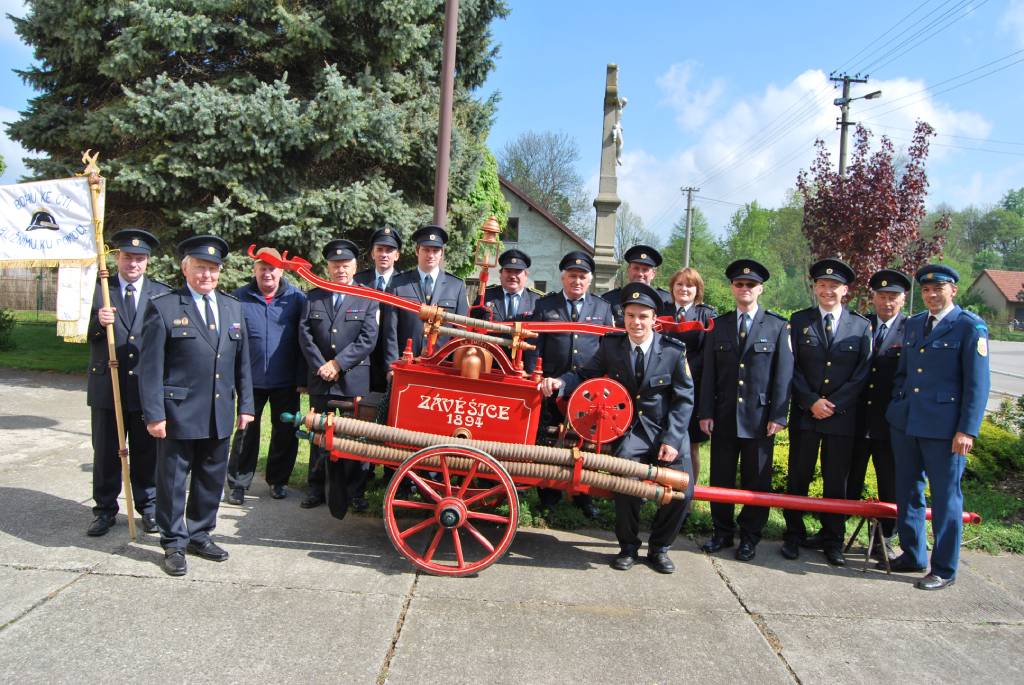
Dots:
pixel 983 347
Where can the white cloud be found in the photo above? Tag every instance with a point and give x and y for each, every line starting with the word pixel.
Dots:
pixel 1012 21
pixel 11 151
pixel 693 107
pixel 754 149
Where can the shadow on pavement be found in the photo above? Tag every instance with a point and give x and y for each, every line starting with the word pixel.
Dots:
pixel 25 422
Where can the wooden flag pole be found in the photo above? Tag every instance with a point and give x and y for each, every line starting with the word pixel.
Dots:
pixel 97 187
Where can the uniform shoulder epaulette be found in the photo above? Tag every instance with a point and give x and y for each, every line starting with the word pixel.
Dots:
pixel 670 341
pixel 859 315
pixel 920 315
pixel 974 317
pixel 551 294
pixel 769 312
pixel 537 292
pixel 449 273
pixel 153 280
pixel 230 295
pixel 159 295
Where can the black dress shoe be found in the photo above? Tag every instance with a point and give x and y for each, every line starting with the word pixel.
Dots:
pixel 174 563
pixel 660 562
pixel 624 561
pixel 790 549
pixel 835 556
pixel 716 543
pixel 208 550
pixel 901 564
pixel 278 492
pixel 100 525
pixel 312 500
pixel 816 541
pixel 359 504
pixel 933 582
pixel 149 524
pixel 746 551
pixel 236 496
pixel 883 550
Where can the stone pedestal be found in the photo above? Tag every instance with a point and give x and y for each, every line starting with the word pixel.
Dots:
pixel 607 201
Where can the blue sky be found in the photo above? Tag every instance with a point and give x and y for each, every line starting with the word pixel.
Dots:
pixel 730 96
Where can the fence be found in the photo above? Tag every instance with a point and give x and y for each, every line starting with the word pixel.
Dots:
pixel 29 289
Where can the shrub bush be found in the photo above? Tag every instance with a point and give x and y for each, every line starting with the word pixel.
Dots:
pixel 6 329
pixel 997 453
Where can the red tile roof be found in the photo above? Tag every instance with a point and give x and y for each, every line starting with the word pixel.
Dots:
pixel 1009 282
pixel 532 204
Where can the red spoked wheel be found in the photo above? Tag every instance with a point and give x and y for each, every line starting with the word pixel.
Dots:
pixel 464 519
pixel 600 410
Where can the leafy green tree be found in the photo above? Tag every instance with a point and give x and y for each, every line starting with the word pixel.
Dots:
pixel 707 256
pixel 271 121
pixel 1014 201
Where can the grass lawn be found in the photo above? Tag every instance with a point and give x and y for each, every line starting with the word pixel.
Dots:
pixel 36 346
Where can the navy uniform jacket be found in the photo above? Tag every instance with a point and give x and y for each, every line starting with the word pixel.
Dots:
pixel 875 398
pixel 495 298
pixel 449 293
pixel 668 305
pixel 562 352
pixel 749 387
pixel 368 277
pixel 127 341
pixel 348 337
pixel 942 381
pixel 185 378
pixel 662 401
pixel 838 373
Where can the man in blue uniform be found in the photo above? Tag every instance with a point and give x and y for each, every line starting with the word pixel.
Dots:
pixel 653 369
pixel 832 360
pixel 748 366
pixel 271 306
pixel 512 300
pixel 561 353
pixel 385 248
pixel 194 373
pixel 130 293
pixel 888 295
pixel 428 283
pixel 642 266
pixel 337 334
pixel 939 396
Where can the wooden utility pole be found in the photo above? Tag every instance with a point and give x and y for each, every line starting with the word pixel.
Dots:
pixel 689 221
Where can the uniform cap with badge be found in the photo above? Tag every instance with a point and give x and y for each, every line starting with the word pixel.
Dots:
pixel 832 269
pixel 640 293
pixel 340 249
pixel 514 259
pixel 577 259
pixel 748 270
pixel 643 254
pixel 936 273
pixel 134 241
pixel 430 236
pixel 209 248
pixel 889 281
pixel 386 235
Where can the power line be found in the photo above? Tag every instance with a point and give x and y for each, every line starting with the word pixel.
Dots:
pixel 887 32
pixel 945 135
pixel 970 10
pixel 909 41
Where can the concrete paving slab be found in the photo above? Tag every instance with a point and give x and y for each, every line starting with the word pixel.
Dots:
pixel 1004 570
pixel 448 640
pixel 116 629
pixel 22 589
pixel 810 587
pixel 42 416
pixel 525 574
pixel 826 650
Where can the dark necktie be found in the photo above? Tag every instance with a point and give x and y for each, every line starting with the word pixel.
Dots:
pixel 928 326
pixel 428 288
pixel 574 310
pixel 638 364
pixel 211 321
pixel 380 283
pixel 129 304
pixel 829 332
pixel 680 313
pixel 339 300
pixel 880 336
pixel 744 328
pixel 511 306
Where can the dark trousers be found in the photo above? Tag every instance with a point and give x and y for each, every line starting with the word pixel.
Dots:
pixel 182 521
pixel 836 453
pixel 106 464
pixel 338 481
pixel 754 458
pixel 879 451
pixel 667 520
pixel 283 443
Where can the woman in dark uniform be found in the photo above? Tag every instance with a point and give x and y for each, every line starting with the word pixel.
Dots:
pixel 687 288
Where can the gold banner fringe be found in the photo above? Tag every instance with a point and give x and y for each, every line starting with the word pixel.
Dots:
pixel 22 263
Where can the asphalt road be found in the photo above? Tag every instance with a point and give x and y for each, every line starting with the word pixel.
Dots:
pixel 1007 366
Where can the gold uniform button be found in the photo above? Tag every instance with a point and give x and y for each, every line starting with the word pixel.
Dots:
pixel 575 335
pixel 638 396
pixel 874 368
pixel 869 401
pixel 131 337
pixel 826 381
pixel 828 363
pixel 333 346
pixel 742 365
pixel 171 394
pixel 131 355
pixel 640 413
pixel 739 399
pixel 216 375
pixel 218 356
pixel 920 370
pixel 921 350
pixel 741 382
pixel 917 389
pixel 217 396
pixel 575 351
pixel 871 385
pixel 131 373
pixel 334 330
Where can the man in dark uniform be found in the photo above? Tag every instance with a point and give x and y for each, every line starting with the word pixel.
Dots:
pixel 561 353
pixel 888 294
pixel 939 396
pixel 512 300
pixel 653 369
pixel 130 292
pixel 337 334
pixel 427 283
pixel 832 348
pixel 194 371
pixel 385 248
pixel 271 306
pixel 643 262
pixel 748 366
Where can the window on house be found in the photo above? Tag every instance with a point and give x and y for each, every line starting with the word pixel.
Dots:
pixel 541 286
pixel 511 234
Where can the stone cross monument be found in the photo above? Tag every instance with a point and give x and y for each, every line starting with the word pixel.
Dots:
pixel 607 201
